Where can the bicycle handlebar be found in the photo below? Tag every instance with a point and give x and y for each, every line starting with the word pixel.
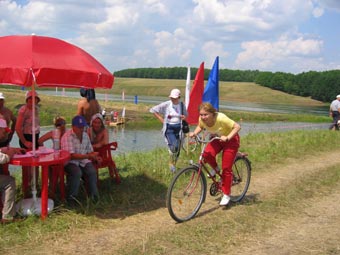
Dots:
pixel 207 141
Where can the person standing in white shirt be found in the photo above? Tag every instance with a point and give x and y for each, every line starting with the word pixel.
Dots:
pixel 170 114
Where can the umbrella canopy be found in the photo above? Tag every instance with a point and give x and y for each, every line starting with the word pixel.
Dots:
pixel 49 62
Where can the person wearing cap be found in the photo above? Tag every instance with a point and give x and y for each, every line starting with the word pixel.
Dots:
pixel 97 132
pixel 334 111
pixel 171 113
pixel 7 182
pixel 78 143
pixel 8 115
pixel 23 128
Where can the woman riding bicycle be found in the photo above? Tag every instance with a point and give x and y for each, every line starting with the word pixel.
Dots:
pixel 220 125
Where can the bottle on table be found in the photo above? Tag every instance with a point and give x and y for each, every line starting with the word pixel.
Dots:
pixel 56 139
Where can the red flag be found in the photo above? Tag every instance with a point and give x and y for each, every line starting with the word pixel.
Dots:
pixel 196 95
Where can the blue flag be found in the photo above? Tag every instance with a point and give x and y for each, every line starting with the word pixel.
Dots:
pixel 211 93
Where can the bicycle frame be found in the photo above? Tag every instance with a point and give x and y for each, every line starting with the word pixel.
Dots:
pixel 187 190
pixel 201 165
pixel 216 179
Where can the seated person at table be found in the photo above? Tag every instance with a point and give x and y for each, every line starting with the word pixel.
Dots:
pixel 78 143
pixel 7 182
pixel 97 132
pixel 60 123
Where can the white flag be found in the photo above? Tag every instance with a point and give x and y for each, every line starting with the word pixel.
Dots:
pixel 187 89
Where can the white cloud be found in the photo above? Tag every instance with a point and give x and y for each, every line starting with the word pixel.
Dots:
pixel 247 34
pixel 293 53
pixel 211 50
pixel 172 45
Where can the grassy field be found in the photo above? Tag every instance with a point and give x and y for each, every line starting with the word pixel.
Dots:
pixel 139 116
pixel 293 172
pixel 229 91
pixel 136 206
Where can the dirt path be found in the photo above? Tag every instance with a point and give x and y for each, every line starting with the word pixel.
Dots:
pixel 289 238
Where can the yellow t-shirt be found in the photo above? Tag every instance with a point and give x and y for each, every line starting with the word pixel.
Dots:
pixel 223 125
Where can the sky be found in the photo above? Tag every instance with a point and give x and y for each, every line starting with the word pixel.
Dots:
pixel 291 36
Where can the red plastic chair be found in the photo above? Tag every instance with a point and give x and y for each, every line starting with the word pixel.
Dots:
pixel 107 161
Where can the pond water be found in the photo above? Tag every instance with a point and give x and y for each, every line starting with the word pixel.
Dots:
pixel 145 140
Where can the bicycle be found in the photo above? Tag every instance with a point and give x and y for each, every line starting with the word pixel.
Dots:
pixel 188 188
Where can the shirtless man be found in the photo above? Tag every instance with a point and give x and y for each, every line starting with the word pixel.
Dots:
pixel 88 105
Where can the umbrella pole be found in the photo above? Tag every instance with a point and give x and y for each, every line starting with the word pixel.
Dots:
pixel 34 184
pixel 33 122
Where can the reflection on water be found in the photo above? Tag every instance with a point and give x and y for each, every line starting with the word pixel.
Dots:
pixel 145 140
pixel 136 140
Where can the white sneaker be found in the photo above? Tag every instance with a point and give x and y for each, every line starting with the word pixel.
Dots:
pixel 172 168
pixel 225 200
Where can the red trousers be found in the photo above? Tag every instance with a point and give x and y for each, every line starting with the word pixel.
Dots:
pixel 229 150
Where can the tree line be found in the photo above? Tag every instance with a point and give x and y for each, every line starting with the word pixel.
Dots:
pixel 323 86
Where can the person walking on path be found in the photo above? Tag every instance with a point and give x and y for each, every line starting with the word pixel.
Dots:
pixel 334 112
pixel 171 113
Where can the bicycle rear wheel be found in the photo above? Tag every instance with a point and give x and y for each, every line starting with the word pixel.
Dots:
pixel 186 194
pixel 241 179
pixel 189 143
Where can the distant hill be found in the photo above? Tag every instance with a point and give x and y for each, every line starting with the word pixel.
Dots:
pixel 321 86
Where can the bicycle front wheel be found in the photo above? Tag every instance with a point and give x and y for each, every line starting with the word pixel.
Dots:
pixel 241 179
pixel 186 194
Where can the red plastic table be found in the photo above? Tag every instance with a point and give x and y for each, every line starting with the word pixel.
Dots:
pixel 44 161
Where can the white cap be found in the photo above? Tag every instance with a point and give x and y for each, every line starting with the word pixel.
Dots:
pixel 338 96
pixel 2 95
pixel 175 93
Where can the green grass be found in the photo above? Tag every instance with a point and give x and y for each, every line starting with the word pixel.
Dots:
pixel 145 177
pixel 229 91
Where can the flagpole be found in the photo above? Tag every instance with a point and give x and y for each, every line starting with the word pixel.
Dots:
pixel 187 99
pixel 123 111
pixel 187 89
